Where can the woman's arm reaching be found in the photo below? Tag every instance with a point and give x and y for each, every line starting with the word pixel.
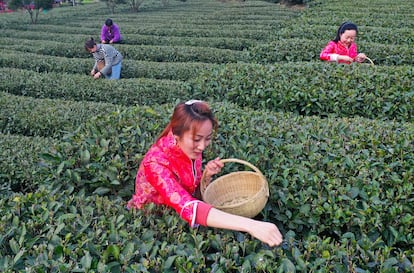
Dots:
pixel 264 231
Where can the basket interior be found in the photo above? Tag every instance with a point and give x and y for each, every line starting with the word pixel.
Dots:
pixel 235 188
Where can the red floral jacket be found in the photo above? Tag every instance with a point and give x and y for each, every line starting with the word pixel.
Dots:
pixel 333 49
pixel 168 176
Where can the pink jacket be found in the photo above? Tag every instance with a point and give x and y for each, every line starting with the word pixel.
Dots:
pixel 168 176
pixel 333 49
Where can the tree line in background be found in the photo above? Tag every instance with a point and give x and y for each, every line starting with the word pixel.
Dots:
pixel 35 7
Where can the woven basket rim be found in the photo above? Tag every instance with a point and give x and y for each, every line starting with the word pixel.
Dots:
pixel 264 188
pixel 256 170
pixel 257 200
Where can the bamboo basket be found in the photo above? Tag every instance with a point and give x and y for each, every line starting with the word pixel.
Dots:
pixel 101 65
pixel 243 193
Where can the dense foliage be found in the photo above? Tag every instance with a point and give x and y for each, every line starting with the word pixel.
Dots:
pixel 335 142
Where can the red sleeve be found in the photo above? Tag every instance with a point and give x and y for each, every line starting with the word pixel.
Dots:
pixel 353 51
pixel 203 209
pixel 166 183
pixel 327 51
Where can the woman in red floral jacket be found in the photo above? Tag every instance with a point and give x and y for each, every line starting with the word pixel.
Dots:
pixel 343 48
pixel 171 171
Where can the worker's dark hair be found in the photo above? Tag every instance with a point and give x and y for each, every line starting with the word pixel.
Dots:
pixel 343 27
pixel 109 22
pixel 90 43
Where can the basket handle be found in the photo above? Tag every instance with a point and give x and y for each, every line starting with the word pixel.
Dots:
pixel 371 61
pixel 203 185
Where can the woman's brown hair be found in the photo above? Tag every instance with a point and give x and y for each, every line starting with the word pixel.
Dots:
pixel 90 43
pixel 189 116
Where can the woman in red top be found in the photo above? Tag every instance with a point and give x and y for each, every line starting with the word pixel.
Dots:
pixel 171 171
pixel 343 48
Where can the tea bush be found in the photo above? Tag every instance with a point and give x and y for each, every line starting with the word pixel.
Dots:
pixel 232 43
pixel 131 69
pixel 20 163
pixel 81 88
pixel 134 52
pixel 44 117
pixel 314 89
pixel 318 173
pixel 299 50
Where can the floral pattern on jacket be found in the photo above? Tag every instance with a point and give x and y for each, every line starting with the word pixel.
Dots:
pixel 338 48
pixel 169 177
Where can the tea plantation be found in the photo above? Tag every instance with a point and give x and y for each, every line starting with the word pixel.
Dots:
pixel 335 142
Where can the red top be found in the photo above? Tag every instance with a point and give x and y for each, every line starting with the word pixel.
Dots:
pixel 333 49
pixel 168 176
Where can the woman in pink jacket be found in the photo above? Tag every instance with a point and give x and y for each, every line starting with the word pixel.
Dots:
pixel 171 171
pixel 343 48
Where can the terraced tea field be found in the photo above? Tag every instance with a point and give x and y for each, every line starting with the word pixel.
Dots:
pixel 335 142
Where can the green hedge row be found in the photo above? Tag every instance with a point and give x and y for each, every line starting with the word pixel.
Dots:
pixel 290 149
pixel 137 39
pixel 243 29
pixel 222 42
pixel 112 159
pixel 131 69
pixel 68 232
pixel 51 48
pixel 318 169
pixel 357 90
pixel 178 71
pixel 165 30
pixel 368 36
pixel 183 54
pixel 290 50
pixel 84 88
pixel 300 50
pixel 20 164
pixel 385 15
pixel 319 17
pixel 151 12
pixel 314 89
pixel 399 7
pixel 133 52
pixel 46 117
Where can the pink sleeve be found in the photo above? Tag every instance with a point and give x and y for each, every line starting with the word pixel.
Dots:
pixel 327 51
pixel 166 183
